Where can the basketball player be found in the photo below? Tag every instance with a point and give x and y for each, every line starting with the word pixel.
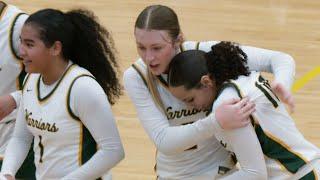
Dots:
pixel 65 103
pixel 11 75
pixel 200 79
pixel 184 137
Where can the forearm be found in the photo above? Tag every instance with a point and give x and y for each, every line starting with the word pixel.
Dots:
pixel 18 146
pixel 168 139
pixel 99 164
pixel 283 66
pixel 176 139
pixel 280 64
pixel 7 108
pixel 15 154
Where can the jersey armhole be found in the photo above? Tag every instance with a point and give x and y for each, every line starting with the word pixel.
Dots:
pixel 71 113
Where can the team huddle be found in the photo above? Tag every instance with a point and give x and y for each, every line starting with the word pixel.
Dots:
pixel 199 102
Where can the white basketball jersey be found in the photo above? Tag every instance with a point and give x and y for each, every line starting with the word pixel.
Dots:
pixel 10 68
pixel 201 161
pixel 284 147
pixel 61 142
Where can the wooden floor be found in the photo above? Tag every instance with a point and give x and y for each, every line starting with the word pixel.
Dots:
pixel 290 26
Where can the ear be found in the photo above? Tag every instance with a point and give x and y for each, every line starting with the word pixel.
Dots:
pixel 56 48
pixel 179 40
pixel 206 81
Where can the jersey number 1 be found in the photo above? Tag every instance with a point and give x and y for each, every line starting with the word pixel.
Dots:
pixel 41 149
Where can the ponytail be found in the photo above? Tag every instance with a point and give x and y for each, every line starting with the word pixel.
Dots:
pixel 226 61
pixel 84 41
pixel 94 50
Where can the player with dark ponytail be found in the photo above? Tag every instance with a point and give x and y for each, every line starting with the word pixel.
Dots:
pixel 85 42
pixel 66 97
pixel 224 61
pixel 272 141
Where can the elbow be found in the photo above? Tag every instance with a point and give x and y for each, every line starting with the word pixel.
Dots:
pixel 121 154
pixel 118 154
pixel 289 61
pixel 284 69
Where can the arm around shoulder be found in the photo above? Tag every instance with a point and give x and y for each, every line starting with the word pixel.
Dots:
pixel 281 64
pixel 168 139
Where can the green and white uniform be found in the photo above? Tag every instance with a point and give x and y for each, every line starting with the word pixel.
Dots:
pixel 284 149
pixel 186 146
pixel 75 135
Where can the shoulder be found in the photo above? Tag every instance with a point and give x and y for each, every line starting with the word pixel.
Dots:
pixel 246 82
pixel 226 93
pixel 77 70
pixel 79 79
pixel 84 93
pixel 238 88
pixel 135 74
pixel 92 88
pixel 10 11
pixel 85 81
pixel 200 45
pixel 206 45
pixel 129 73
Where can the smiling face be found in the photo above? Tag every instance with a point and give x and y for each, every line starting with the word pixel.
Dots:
pixel 33 51
pixel 156 49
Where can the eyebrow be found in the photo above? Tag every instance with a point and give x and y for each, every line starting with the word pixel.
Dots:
pixel 26 40
pixel 156 44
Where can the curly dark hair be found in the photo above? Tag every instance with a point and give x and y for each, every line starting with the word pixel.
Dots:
pixel 225 61
pixel 84 41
